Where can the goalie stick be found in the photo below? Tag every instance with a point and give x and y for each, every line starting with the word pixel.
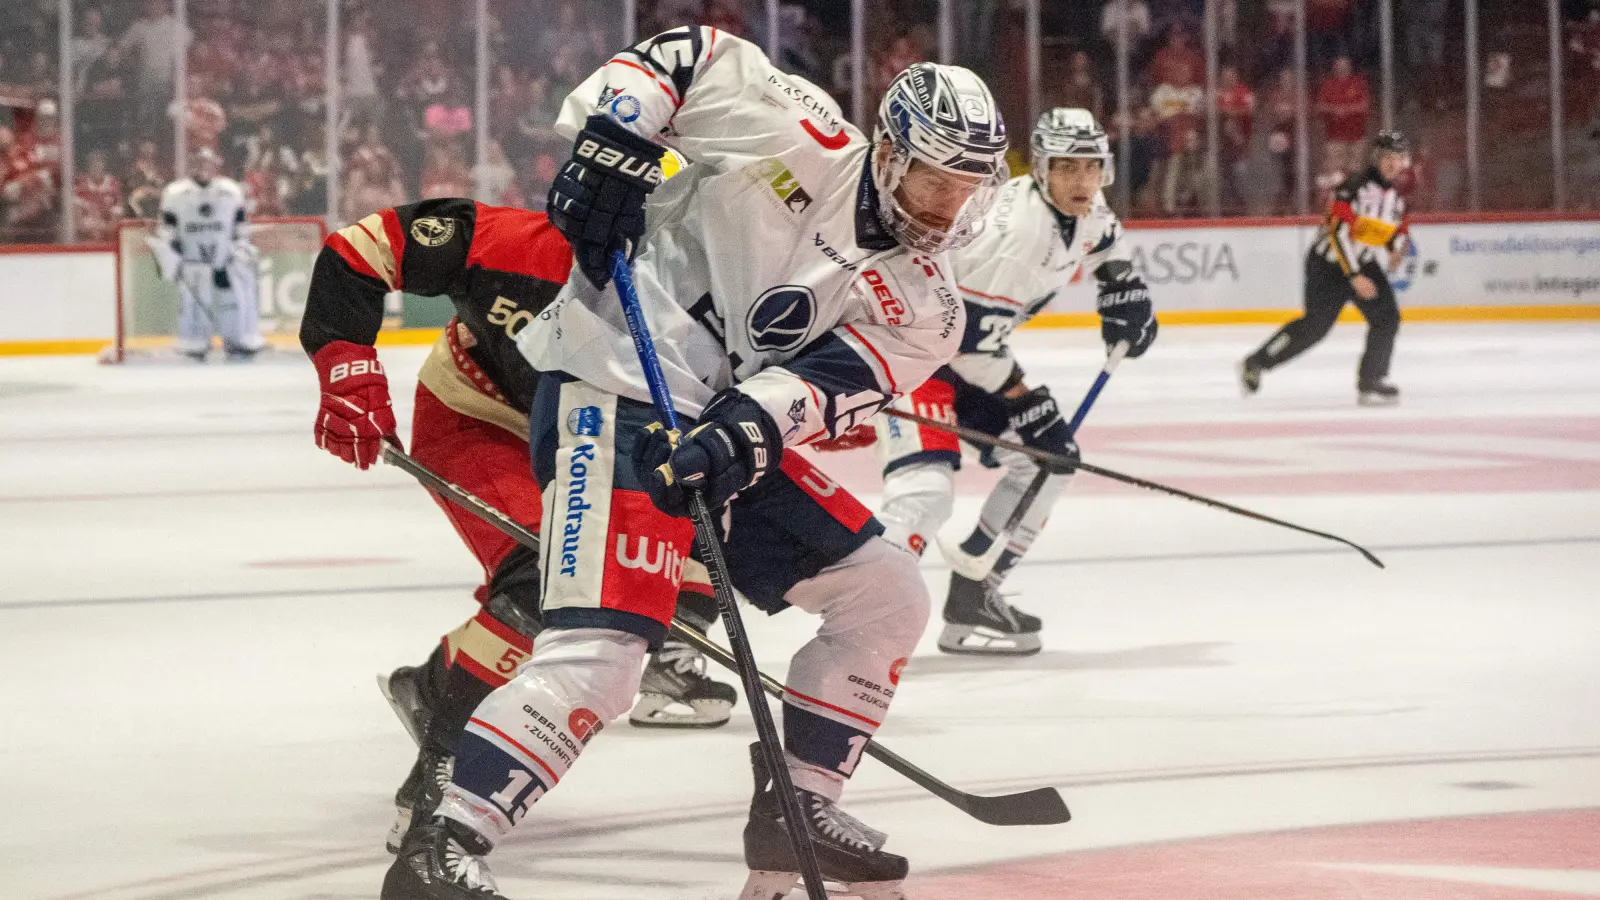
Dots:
pixel 1040 806
pixel 977 437
pixel 977 568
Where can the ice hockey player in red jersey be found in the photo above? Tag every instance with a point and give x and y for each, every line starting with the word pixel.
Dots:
pixel 500 267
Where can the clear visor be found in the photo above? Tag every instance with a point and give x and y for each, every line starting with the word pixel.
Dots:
pixel 932 210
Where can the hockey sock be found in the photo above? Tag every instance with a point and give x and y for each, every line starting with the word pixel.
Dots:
pixel 484 652
pixel 522 739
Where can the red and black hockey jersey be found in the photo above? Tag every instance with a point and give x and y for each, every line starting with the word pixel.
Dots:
pixel 500 267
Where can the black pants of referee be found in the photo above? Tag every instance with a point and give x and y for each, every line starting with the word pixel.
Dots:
pixel 1327 291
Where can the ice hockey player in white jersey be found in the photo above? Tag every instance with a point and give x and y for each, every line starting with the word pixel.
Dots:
pixel 203 244
pixel 1046 226
pixel 795 281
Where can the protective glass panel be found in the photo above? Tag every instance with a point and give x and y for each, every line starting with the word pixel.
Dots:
pixel 255 93
pixel 30 120
pixel 1580 31
pixel 1430 103
pixel 539 51
pixel 1514 161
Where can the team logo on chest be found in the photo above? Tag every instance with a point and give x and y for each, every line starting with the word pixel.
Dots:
pixel 781 318
pixel 431 231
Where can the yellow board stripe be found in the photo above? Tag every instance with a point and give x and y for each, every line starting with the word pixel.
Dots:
pixel 406 337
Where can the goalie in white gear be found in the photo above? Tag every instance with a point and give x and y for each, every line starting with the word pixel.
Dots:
pixel 794 280
pixel 1044 227
pixel 202 243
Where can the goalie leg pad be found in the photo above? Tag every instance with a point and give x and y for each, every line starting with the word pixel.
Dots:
pixel 523 738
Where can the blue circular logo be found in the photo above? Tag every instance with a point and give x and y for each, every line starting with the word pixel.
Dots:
pixel 781 318
pixel 625 108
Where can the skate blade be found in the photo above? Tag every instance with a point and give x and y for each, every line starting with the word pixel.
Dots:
pixel 397 831
pixel 763 885
pixel 1376 400
pixel 398 705
pixel 655 711
pixel 978 640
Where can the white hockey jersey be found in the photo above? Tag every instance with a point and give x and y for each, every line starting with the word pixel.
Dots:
pixel 201 223
pixel 1026 255
pixel 764 262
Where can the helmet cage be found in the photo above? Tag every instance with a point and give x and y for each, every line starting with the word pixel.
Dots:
pixel 945 118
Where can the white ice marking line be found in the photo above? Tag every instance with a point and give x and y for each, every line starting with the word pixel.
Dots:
pixel 1565 881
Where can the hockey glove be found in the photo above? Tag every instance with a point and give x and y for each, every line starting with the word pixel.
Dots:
pixel 735 444
pixel 355 417
pixel 1125 310
pixel 856 438
pixel 1037 422
pixel 597 200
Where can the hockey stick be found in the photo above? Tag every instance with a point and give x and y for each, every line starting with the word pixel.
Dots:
pixel 978 437
pixel 977 568
pixel 705 530
pixel 1041 806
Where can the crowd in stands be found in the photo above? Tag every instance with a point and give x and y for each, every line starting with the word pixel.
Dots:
pixel 255 91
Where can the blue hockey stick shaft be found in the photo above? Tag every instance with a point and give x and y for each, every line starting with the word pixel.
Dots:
pixel 717 567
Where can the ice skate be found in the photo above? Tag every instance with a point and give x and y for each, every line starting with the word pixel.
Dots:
pixel 848 852
pixel 1249 377
pixel 404 690
pixel 676 692
pixel 421 792
pixel 978 621
pixel 1377 392
pixel 440 860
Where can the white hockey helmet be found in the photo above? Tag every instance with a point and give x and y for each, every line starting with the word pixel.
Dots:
pixel 1065 131
pixel 945 118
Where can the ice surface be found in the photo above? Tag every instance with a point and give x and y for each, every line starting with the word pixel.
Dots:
pixel 194 599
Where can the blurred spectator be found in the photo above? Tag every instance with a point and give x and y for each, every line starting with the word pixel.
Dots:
pixel 256 106
pixel 507 100
pixel 1079 89
pixel 31 174
pixel 266 185
pixel 444 174
pixel 203 117
pixel 429 79
pixel 89 43
pixel 1328 30
pixel 362 101
pixel 154 40
pixel 1145 156
pixel 1279 112
pixel 99 200
pixel 1177 64
pixel 145 180
pixel 493 178
pixel 1236 111
pixel 104 106
pixel 1138 21
pixel 1424 32
pixel 373 181
pixel 308 182
pixel 1178 109
pixel 448 116
pixel 1343 103
pixel 725 15
pixel 891 60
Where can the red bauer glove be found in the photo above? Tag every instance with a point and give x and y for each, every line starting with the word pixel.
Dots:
pixel 355 416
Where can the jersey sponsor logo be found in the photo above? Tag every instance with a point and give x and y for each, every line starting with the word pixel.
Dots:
pixel 828 141
pixel 625 108
pixel 206 210
pixel 584 724
pixel 666 561
pixel 781 318
pixel 572 528
pixel 784 184
pixel 894 309
pixel 917 543
pixel 898 667
pixel 432 231
pixel 585 421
